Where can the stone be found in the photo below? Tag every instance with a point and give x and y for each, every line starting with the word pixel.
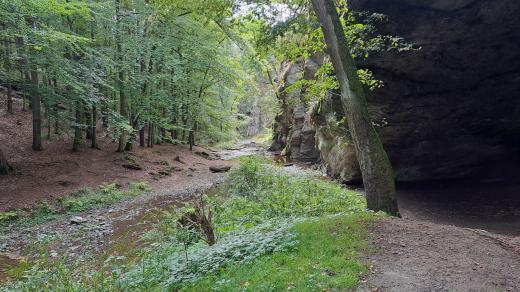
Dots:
pixel 218 169
pixel 132 166
pixel 203 154
pixel 293 129
pixel 77 220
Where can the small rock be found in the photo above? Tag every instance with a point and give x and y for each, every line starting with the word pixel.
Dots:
pixel 132 166
pixel 217 169
pixel 178 159
pixel 202 154
pixel 77 220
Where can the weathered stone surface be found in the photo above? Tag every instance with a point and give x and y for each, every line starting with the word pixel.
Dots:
pixel 219 168
pixel 448 110
pixel 293 129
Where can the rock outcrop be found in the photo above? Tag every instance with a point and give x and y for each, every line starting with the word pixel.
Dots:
pixel 449 110
pixel 293 129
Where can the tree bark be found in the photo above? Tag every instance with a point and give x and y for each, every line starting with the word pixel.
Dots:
pixel 378 176
pixel 120 74
pixel 88 123
pixel 7 64
pixel 141 137
pixel 36 113
pixel 9 98
pixel 4 165
pixel 94 127
pixel 78 133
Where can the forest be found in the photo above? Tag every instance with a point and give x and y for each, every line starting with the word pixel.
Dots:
pixel 259 145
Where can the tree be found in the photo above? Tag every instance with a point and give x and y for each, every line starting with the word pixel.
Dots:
pixel 4 165
pixel 36 113
pixel 378 176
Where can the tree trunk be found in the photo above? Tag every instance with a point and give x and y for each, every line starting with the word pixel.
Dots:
pixel 150 135
pixel 94 127
pixel 9 98
pixel 120 74
pixel 36 110
pixel 4 165
pixel 88 123
pixel 77 128
pixel 141 137
pixel 378 176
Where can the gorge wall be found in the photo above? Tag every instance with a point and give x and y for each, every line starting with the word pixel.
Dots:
pixel 449 110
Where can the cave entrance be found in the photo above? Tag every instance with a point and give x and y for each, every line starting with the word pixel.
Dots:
pixel 491 206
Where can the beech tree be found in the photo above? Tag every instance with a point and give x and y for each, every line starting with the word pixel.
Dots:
pixel 378 176
pixel 176 76
pixel 4 165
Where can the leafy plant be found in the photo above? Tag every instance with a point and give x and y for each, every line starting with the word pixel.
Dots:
pixel 8 216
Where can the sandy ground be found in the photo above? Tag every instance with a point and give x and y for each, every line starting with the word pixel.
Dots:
pixel 422 256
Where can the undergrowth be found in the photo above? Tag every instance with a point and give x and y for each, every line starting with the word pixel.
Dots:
pixel 82 200
pixel 275 231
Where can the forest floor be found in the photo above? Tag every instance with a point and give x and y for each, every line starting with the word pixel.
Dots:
pixel 452 237
pixel 57 170
pixel 424 251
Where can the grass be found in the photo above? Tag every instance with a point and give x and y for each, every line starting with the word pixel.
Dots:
pixel 276 231
pixel 325 258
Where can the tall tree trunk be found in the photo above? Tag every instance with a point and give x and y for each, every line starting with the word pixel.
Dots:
pixel 141 137
pixel 120 74
pixel 78 133
pixel 378 176
pixel 88 123
pixel 150 135
pixel 56 125
pixel 36 113
pixel 7 64
pixel 24 101
pixel 9 98
pixel 4 165
pixel 93 126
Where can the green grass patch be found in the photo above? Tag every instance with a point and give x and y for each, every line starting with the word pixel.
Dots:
pixel 325 258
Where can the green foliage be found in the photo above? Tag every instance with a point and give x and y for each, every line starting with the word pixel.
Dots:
pixel 180 67
pixel 82 200
pixel 270 223
pixel 8 216
pixel 261 192
pixel 326 258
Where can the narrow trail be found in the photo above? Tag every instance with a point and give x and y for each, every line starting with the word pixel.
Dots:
pixel 453 237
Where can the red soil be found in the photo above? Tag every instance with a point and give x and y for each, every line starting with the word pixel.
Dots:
pixel 56 171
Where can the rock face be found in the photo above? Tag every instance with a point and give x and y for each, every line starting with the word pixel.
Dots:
pixel 293 131
pixel 448 110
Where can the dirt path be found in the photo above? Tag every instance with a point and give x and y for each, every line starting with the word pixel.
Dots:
pixel 422 256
